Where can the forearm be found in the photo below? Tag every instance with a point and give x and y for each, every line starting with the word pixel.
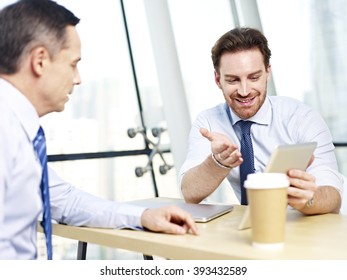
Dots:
pixel 326 200
pixel 84 209
pixel 202 180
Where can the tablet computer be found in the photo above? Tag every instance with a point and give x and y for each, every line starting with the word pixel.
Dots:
pixel 202 212
pixel 284 158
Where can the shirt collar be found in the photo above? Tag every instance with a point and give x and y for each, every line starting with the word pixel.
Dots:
pixel 22 107
pixel 263 116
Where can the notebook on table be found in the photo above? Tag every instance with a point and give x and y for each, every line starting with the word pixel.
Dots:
pixel 202 212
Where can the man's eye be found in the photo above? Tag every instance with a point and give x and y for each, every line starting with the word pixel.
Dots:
pixel 255 78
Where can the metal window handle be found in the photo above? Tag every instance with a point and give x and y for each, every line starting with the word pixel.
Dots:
pixel 156 132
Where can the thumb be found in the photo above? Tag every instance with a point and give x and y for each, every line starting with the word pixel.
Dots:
pixel 204 132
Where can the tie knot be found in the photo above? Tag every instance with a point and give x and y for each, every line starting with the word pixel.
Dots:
pixel 245 126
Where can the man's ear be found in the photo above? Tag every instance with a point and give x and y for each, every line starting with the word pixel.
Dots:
pixel 39 59
pixel 268 71
pixel 217 79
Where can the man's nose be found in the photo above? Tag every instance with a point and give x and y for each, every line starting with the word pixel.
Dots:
pixel 77 78
pixel 243 89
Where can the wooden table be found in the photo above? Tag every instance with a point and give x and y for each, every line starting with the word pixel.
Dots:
pixel 307 237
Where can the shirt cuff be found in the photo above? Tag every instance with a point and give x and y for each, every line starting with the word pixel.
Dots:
pixel 130 216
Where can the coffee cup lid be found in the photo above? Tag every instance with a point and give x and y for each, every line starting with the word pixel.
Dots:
pixel 266 181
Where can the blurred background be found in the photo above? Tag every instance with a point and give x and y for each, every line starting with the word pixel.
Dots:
pixel 146 73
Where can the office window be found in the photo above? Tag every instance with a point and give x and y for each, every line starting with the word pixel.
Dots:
pixel 197 24
pixel 308 41
pixel 94 119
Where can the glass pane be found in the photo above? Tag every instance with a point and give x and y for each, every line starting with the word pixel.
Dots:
pixel 112 178
pixel 94 118
pixel 166 182
pixel 143 54
pixel 292 40
pixel 308 43
pixel 316 39
pixel 197 24
pixel 146 70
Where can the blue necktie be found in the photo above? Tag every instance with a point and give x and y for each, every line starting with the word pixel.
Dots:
pixel 247 166
pixel 40 147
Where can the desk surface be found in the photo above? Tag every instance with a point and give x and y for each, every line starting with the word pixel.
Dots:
pixel 307 237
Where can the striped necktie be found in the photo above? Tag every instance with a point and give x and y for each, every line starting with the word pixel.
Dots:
pixel 40 147
pixel 247 166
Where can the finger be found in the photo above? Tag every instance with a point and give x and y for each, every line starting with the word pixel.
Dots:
pixel 230 152
pixel 296 203
pixel 176 227
pixel 184 219
pixel 295 192
pixel 169 219
pixel 300 174
pixel 298 198
pixel 302 184
pixel 234 159
pixel 172 228
pixel 180 216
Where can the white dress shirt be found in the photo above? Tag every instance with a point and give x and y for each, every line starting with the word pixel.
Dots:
pixel 20 177
pixel 281 120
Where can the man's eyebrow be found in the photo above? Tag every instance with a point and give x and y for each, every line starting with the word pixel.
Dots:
pixel 231 76
pixel 250 74
pixel 256 72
